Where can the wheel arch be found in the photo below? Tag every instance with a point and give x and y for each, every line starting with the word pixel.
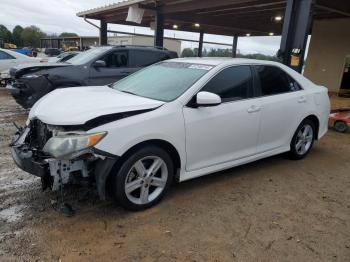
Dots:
pixel 174 154
pixel 167 146
pixel 315 120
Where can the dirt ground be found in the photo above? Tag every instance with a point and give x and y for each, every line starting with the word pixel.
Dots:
pixel 271 210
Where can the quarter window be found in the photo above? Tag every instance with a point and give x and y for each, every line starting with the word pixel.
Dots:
pixel 4 56
pixel 234 83
pixel 274 80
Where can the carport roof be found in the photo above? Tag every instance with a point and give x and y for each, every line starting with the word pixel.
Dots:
pixel 223 17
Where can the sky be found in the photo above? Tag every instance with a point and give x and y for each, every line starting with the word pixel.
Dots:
pixel 57 16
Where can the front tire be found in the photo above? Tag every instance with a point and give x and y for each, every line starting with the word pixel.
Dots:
pixel 303 140
pixel 143 178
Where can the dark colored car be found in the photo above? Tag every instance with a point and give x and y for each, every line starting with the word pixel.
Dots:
pixel 52 52
pixel 95 67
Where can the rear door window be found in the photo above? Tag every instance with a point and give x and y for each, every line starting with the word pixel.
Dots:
pixel 274 81
pixel 231 84
pixel 116 59
pixel 140 58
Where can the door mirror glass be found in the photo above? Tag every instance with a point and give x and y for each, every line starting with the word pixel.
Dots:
pixel 99 63
pixel 207 99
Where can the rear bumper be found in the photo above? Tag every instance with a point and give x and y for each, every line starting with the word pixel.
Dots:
pixel 25 162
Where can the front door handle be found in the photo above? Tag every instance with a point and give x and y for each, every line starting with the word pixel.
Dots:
pixel 254 109
pixel 302 99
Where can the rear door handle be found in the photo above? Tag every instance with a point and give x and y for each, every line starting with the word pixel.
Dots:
pixel 254 109
pixel 302 99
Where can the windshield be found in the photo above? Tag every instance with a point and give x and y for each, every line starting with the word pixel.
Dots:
pixel 86 56
pixel 164 81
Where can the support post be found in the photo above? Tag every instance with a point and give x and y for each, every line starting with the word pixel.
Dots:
pixel 159 30
pixel 200 45
pixel 234 46
pixel 296 27
pixel 103 33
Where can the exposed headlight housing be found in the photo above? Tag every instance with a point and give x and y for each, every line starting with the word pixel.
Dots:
pixel 71 145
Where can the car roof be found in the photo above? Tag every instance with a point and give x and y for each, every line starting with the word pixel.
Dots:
pixel 216 61
pixel 140 47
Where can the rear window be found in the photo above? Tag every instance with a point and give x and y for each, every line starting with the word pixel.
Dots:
pixel 142 58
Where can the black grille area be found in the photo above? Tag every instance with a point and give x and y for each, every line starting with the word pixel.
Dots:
pixel 39 134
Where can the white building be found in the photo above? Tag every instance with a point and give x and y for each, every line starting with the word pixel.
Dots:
pixel 170 44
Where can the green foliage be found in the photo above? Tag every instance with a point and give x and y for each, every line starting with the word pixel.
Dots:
pixel 31 36
pixel 67 34
pixel 219 53
pixel 187 52
pixel 259 57
pixel 17 35
pixel 5 34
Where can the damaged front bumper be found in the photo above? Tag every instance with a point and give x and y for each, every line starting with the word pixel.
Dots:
pixel 54 173
pixel 24 157
pixel 26 162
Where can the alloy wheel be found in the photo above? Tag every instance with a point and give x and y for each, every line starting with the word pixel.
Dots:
pixel 146 180
pixel 304 139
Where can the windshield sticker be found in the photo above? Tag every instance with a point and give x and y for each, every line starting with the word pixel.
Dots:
pixel 201 67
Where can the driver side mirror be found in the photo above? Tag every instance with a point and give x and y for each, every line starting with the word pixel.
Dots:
pixel 206 99
pixel 99 63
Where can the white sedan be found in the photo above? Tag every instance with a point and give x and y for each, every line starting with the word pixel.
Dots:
pixel 9 59
pixel 176 120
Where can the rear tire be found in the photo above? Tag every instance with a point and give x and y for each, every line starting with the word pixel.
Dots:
pixel 303 140
pixel 143 178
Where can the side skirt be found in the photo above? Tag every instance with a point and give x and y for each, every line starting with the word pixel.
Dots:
pixel 184 175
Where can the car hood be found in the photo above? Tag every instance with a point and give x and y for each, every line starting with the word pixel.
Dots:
pixel 23 69
pixel 77 105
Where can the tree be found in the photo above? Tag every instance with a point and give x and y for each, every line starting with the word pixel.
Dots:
pixel 187 52
pixel 5 34
pixel 220 53
pixel 31 36
pixel 259 57
pixel 17 35
pixel 67 34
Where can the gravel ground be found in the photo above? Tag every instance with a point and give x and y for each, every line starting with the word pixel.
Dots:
pixel 271 210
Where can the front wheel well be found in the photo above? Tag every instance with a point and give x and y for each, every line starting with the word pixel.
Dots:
pixel 316 122
pixel 168 147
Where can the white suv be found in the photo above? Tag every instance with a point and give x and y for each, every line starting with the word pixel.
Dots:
pixel 175 120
